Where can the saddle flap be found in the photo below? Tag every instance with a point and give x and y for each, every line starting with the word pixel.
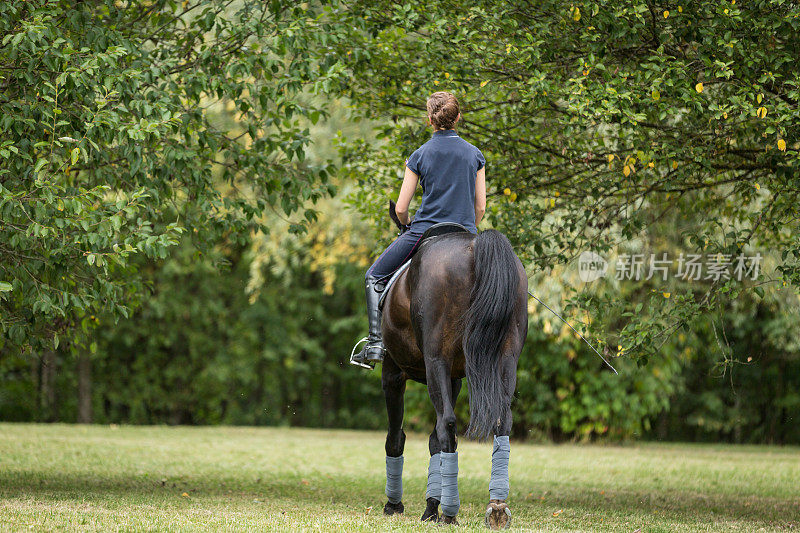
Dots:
pixel 391 281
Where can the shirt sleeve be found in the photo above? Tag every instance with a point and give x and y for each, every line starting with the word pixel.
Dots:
pixel 413 162
pixel 481 159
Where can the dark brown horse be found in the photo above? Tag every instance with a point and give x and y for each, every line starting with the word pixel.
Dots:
pixel 459 310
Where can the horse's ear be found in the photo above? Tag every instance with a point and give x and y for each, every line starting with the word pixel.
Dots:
pixel 393 214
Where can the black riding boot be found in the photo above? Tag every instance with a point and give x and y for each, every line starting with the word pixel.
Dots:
pixel 373 351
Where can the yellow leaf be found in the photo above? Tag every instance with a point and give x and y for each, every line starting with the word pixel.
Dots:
pixel 484 83
pixel 446 74
pixel 552 202
pixel 185 495
pixel 680 9
pixel 610 157
pixel 626 170
pixel 656 95
pixel 506 191
pixel 781 145
pixel 556 194
pixel 724 115
pixel 698 87
pixel 576 14
pixel 674 165
pixel 758 187
pixel 666 14
pixel 651 164
pixel 761 112
pixel 512 196
pixel 436 82
pixel 666 294
pixel 759 97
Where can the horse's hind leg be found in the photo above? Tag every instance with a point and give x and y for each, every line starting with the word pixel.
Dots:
pixel 394 387
pixel 433 494
pixel 498 515
pixel 440 389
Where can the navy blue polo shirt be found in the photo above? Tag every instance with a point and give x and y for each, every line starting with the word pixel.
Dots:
pixel 447 166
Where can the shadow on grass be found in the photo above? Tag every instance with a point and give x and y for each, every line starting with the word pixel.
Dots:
pixel 360 492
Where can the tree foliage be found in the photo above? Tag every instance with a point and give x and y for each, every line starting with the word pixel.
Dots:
pixel 112 142
pixel 145 143
pixel 598 120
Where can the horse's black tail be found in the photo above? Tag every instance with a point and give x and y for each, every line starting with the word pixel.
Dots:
pixel 486 325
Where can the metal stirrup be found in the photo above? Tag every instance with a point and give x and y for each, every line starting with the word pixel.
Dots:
pixel 353 352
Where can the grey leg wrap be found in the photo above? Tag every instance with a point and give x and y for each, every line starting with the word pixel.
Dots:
pixel 498 485
pixel 450 501
pixel 394 479
pixel 435 477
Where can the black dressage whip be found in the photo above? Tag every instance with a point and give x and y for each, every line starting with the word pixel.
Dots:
pixel 576 331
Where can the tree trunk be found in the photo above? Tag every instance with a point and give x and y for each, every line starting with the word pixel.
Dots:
pixel 662 425
pixel 48 387
pixel 84 389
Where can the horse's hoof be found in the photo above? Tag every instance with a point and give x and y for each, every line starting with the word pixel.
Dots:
pixel 393 508
pixel 451 520
pixel 431 513
pixel 498 515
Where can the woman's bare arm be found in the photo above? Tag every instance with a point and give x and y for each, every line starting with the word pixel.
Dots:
pixel 480 195
pixel 410 181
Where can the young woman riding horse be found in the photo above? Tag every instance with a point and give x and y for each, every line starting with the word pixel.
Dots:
pixel 459 310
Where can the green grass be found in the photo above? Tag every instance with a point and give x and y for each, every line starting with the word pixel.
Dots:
pixel 163 478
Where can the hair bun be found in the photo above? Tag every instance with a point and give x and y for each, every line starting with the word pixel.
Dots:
pixel 443 110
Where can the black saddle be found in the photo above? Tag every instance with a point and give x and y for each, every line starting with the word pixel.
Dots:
pixel 437 230
pixel 442 228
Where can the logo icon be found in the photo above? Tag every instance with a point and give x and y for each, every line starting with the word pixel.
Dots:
pixel 591 266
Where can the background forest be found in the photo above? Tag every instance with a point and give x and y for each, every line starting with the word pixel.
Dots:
pixel 190 194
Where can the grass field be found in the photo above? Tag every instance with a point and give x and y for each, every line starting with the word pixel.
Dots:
pixel 163 478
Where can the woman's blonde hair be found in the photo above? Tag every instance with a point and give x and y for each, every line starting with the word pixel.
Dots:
pixel 443 110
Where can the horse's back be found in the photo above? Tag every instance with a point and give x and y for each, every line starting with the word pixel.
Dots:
pixel 425 306
pixel 441 276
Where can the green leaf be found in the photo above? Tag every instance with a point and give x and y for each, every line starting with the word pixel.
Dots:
pixel 5 286
pixel 39 164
